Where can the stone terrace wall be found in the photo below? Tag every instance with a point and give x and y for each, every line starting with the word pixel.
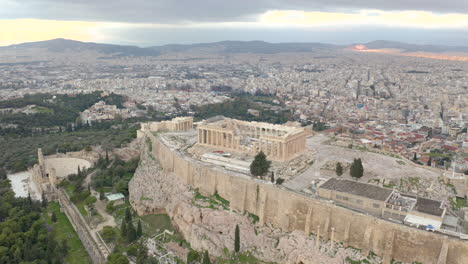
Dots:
pixel 291 211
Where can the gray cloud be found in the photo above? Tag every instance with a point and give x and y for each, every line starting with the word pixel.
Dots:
pixel 181 11
pixel 160 36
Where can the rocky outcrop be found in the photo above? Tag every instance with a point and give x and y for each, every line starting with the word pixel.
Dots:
pixel 153 190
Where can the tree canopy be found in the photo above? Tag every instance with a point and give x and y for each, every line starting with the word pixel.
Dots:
pixel 260 165
pixel 357 170
pixel 25 237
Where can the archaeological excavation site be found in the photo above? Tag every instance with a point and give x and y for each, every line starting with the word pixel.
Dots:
pixel 324 220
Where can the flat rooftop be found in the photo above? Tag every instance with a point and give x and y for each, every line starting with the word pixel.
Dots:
pixel 357 188
pixel 427 206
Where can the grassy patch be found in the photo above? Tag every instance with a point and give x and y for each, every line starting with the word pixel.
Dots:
pixel 81 208
pixel 458 203
pixel 214 201
pixel 64 231
pixel 401 162
pixel 352 261
pixel 243 257
pixel 390 185
pixel 254 218
pixel 40 109
pixel 156 223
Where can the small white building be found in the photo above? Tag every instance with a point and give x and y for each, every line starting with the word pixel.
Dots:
pixel 117 198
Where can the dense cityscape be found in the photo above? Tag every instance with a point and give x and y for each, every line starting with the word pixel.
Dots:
pixel 233 132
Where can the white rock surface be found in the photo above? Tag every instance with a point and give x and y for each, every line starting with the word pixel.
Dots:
pixel 152 191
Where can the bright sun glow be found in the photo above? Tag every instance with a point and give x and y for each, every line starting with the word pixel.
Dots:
pixel 411 19
pixel 25 30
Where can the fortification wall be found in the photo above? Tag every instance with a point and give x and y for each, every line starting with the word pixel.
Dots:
pixel 96 249
pixel 291 211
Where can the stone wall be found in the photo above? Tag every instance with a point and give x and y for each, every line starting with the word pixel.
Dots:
pixel 291 211
pixel 96 250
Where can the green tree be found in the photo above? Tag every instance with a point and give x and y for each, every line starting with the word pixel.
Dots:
pixel 139 229
pixel 90 200
pixel 3 174
pixel 260 165
pixel 193 257
pixel 108 233
pixel 339 169
pixel 206 258
pixel 107 156
pixel 101 195
pixel 357 170
pixel 53 217
pixel 429 162
pixel 415 157
pixel 123 229
pixel 44 201
pixel 131 233
pixel 237 239
pixel 117 258
pixel 128 215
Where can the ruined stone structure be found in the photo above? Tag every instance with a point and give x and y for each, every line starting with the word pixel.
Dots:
pixel 174 125
pixel 278 142
pixel 292 212
pixel 459 181
pixel 45 177
pixel 96 249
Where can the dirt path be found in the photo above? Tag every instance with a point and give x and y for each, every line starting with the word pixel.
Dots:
pixel 100 206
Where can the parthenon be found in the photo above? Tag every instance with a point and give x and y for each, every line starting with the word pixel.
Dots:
pixel 176 124
pixel 278 142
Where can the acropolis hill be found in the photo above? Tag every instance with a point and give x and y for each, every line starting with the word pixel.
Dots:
pixel 176 160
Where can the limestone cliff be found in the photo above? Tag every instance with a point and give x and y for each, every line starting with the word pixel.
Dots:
pixel 153 190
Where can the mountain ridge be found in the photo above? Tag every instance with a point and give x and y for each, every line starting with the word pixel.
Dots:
pixel 228 46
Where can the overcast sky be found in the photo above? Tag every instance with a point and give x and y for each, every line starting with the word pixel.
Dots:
pixel 156 22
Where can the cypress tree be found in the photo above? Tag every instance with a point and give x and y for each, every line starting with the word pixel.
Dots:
pixel 429 162
pixel 123 229
pixel 131 233
pixel 139 229
pixel 237 240
pixel 53 217
pixel 101 195
pixel 206 258
pixel 339 169
pixel 128 215
pixel 356 171
pixel 44 201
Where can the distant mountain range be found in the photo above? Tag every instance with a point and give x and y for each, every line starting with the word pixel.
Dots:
pixel 61 45
pixel 261 47
pixel 405 47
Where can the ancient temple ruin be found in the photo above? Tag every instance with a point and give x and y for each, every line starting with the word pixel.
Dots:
pixel 278 142
pixel 45 177
pixel 176 124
